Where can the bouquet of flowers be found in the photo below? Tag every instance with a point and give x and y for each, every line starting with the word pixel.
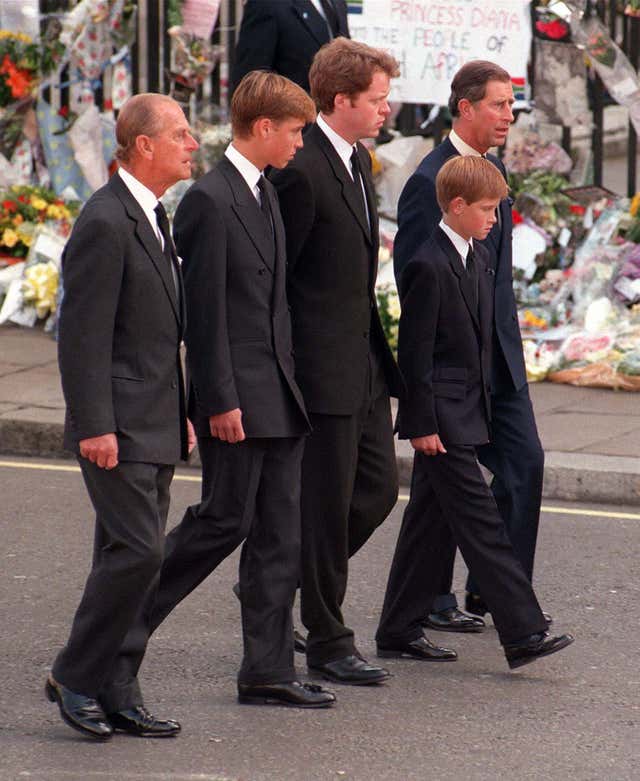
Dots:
pixel 23 210
pixel 389 309
pixel 23 63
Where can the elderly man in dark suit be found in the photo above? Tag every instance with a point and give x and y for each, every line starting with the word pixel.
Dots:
pixel 444 349
pixel 246 406
pixel 284 35
pixel 480 103
pixel 343 363
pixel 121 325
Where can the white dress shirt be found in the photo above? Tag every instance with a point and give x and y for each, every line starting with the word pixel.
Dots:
pixel 461 146
pixel 462 245
pixel 145 198
pixel 246 169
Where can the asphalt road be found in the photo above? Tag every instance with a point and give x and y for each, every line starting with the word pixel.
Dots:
pixel 574 716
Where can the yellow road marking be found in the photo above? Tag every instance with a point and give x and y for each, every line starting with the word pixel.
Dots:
pixel 402 497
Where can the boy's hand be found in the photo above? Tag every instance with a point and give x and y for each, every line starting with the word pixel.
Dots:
pixel 430 445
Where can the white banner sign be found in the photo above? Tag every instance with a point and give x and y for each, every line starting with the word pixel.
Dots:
pixel 432 39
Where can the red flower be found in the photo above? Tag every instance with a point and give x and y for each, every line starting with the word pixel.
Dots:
pixel 63 111
pixel 554 30
pixel 17 79
pixel 9 206
pixel 576 209
pixel 517 217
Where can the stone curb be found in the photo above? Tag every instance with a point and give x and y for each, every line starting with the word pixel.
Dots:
pixel 574 477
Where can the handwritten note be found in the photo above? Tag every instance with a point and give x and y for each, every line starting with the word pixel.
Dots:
pixel 432 39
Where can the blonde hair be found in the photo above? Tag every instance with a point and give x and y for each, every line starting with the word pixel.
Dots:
pixel 267 94
pixel 471 178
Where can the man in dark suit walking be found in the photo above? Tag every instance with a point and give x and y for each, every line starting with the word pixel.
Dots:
pixel 246 406
pixel 444 349
pixel 284 35
pixel 343 364
pixel 480 103
pixel 121 325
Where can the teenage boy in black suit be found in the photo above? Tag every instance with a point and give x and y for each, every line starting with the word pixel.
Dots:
pixel 243 399
pixel 481 106
pixel 445 358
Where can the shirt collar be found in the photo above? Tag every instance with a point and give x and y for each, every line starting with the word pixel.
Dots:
pixel 461 146
pixel 246 168
pixel 342 147
pixel 462 245
pixel 140 192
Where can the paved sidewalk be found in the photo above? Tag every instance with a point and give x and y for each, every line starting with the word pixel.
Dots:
pixel 591 437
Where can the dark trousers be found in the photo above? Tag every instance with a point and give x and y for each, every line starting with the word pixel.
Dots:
pixel 449 497
pixel 516 459
pixel 131 504
pixel 349 486
pixel 250 494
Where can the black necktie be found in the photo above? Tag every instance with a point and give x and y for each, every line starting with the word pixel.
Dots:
pixel 331 16
pixel 472 274
pixel 168 251
pixel 357 179
pixel 264 202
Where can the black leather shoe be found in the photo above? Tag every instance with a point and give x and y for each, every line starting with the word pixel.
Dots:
pixel 473 603
pixel 292 695
pixel 82 713
pixel 453 620
pixel 138 721
pixel 534 647
pixel 351 670
pixel 420 648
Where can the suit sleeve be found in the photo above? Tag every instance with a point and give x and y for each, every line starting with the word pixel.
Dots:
pixel 201 241
pixel 298 208
pixel 420 302
pixel 257 40
pixel 418 217
pixel 93 268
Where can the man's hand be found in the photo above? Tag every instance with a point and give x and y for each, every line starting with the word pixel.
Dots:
pixel 191 436
pixel 227 426
pixel 430 445
pixel 102 450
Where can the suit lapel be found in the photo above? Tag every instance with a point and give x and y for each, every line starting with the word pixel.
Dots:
pixel 279 285
pixel 464 281
pixel 248 212
pixel 148 239
pixel 311 20
pixel 351 196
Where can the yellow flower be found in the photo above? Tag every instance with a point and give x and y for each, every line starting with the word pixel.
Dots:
pixel 25 238
pixel 635 205
pixel 18 219
pixel 9 238
pixel 38 203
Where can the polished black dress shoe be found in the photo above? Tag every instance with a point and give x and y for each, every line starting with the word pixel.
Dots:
pixel 420 648
pixel 352 670
pixel 138 721
pixel 534 647
pixel 473 603
pixel 82 713
pixel 292 695
pixel 453 620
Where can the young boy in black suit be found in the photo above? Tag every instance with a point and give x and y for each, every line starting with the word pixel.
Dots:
pixel 444 355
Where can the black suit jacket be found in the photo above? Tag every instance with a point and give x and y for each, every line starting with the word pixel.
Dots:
pixel 238 337
pixel 120 331
pixel 283 36
pixel 418 216
pixel 332 263
pixel 444 345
